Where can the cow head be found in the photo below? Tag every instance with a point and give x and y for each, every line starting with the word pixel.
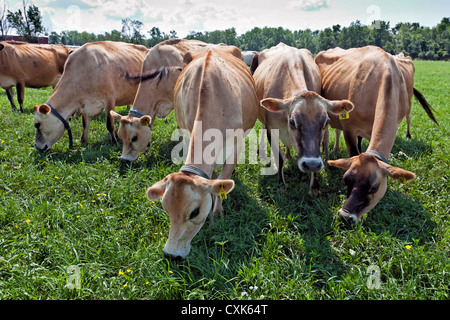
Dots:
pixel 155 97
pixel 307 120
pixel 49 129
pixel 366 181
pixel 188 199
pixel 135 134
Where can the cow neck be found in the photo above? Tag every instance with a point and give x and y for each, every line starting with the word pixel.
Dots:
pixel 64 122
pixel 383 132
pixel 195 152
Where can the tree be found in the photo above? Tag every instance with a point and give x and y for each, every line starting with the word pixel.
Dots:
pixel 28 22
pixel 131 31
pixel 4 25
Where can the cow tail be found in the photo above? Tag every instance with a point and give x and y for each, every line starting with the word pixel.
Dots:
pixel 425 105
pixel 255 63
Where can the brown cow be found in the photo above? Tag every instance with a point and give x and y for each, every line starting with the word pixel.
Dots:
pixel 27 65
pixel 92 81
pixel 381 87
pixel 288 81
pixel 215 94
pixel 154 98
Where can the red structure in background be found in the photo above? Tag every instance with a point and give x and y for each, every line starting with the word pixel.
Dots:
pixel 41 40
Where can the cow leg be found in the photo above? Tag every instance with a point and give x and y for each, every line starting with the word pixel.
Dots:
pixel 280 158
pixel 350 140
pixel 110 124
pixel 20 94
pixel 9 94
pixel 360 144
pixel 226 173
pixel 408 125
pixel 314 184
pixel 336 147
pixel 86 122
pixel 326 143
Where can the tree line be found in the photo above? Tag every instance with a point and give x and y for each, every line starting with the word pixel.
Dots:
pixel 430 43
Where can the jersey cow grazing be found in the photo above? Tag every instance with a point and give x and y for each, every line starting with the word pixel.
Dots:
pixel 215 93
pixel 92 81
pixel 29 65
pixel 288 81
pixel 381 87
pixel 154 98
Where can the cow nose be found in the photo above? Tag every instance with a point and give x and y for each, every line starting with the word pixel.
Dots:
pixel 347 217
pixel 310 164
pixel 172 257
pixel 44 148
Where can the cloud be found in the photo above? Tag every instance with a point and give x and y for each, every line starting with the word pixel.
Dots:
pixel 309 5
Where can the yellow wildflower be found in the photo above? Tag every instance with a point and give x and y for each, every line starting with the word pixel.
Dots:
pixel 128 270
pixel 125 285
pixel 28 221
pixel 121 272
pixel 408 247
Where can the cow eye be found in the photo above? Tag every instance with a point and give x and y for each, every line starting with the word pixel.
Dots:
pixel 327 122
pixel 134 139
pixel 374 189
pixel 292 123
pixel 37 125
pixel 194 213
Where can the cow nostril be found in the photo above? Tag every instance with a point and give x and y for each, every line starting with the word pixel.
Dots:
pixel 311 165
pixel 171 257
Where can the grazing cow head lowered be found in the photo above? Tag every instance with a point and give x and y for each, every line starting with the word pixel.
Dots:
pixel 50 127
pixel 366 181
pixel 188 199
pixel 307 122
pixel 135 133
pixel 135 129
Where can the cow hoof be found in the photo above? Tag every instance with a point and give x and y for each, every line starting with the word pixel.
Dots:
pixel 314 192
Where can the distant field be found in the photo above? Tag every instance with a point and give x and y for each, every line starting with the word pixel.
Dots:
pixel 84 208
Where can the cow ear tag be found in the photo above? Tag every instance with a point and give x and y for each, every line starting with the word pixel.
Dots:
pixel 222 193
pixel 343 114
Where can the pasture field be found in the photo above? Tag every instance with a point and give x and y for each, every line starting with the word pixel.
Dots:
pixel 83 207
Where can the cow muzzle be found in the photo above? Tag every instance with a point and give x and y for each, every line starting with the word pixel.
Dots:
pixel 348 217
pixel 306 164
pixel 41 148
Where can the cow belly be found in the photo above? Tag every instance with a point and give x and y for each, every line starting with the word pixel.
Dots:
pixel 6 82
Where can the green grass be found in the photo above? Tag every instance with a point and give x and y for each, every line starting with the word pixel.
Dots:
pixel 84 207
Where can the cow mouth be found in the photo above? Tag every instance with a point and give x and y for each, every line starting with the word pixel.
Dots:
pixel 42 149
pixel 346 216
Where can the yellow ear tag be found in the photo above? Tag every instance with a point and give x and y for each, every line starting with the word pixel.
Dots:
pixel 402 180
pixel 343 115
pixel 222 193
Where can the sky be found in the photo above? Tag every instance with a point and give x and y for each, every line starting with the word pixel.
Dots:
pixel 185 16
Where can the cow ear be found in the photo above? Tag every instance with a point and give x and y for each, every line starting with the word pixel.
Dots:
pixel 43 108
pixel 157 190
pixel 400 174
pixel 187 58
pixel 341 163
pixel 274 105
pixel 145 120
pixel 115 115
pixel 337 106
pixel 216 186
